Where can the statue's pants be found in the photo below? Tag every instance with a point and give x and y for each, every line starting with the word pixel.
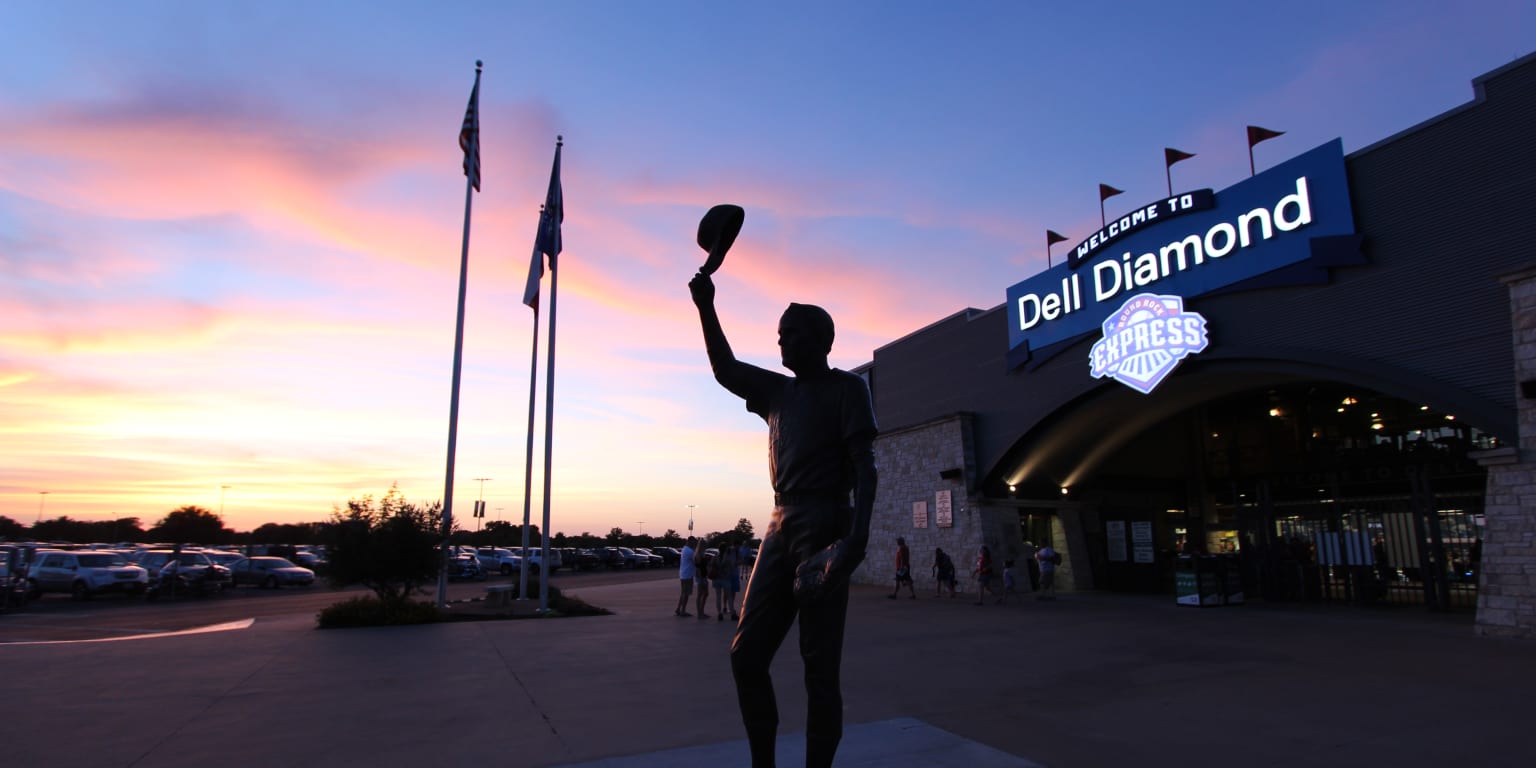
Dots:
pixel 795 533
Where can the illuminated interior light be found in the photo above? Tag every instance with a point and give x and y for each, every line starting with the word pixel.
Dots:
pixel 1274 411
pixel 1449 417
pixel 1376 425
pixel 1341 410
pixel 1375 415
pixel 1350 401
pixel 1423 407
pixel 1063 490
pixel 1012 488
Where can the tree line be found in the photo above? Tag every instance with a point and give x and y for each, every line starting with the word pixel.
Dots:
pixel 195 524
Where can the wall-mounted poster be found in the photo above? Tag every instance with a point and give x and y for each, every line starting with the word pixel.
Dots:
pixel 945 512
pixel 1141 541
pixel 919 514
pixel 1114 532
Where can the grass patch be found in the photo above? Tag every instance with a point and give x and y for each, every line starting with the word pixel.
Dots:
pixel 368 611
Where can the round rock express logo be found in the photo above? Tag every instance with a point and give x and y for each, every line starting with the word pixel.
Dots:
pixel 1146 339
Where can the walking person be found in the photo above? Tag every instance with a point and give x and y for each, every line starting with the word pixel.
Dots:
pixel 1010 582
pixel 983 574
pixel 739 560
pixel 1032 566
pixel 943 572
pixel 685 574
pixel 701 579
pixel 722 570
pixel 903 569
pixel 1048 559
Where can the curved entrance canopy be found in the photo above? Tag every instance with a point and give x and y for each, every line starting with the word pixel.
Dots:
pixel 1079 440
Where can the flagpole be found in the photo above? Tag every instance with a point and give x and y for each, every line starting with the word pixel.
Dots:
pixel 549 378
pixel 458 362
pixel 533 380
pixel 549 428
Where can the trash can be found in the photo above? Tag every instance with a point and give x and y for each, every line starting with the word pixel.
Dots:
pixel 1231 568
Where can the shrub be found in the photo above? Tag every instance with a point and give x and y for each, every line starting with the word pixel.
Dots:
pixel 388 547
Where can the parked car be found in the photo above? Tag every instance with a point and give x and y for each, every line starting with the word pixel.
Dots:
pixel 582 559
pixel 653 560
pixel 85 574
pixel 14 590
pixel 633 559
pixel 270 573
pixel 611 557
pixel 311 560
pixel 499 560
pixel 669 555
pixel 195 572
pixel 462 567
pixel 224 558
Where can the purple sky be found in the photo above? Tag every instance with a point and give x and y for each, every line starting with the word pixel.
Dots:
pixel 229 232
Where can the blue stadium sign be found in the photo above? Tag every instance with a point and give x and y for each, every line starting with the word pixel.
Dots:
pixel 1286 226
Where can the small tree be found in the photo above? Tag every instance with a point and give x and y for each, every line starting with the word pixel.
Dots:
pixel 743 529
pixel 389 547
pixel 10 529
pixel 190 524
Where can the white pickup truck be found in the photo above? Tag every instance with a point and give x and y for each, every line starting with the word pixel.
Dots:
pixel 535 558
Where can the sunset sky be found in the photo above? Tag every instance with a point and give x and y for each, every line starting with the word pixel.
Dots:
pixel 230 232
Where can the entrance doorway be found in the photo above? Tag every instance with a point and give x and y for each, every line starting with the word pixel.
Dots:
pixel 1325 492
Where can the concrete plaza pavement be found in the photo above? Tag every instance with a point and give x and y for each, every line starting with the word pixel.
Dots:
pixel 1087 680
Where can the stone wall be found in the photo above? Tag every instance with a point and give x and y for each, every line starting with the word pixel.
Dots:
pixel 1506 597
pixel 916 464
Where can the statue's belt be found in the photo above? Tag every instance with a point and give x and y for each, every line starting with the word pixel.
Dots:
pixel 806 498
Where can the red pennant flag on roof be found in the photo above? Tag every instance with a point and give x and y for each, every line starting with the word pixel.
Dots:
pixel 1052 238
pixel 1171 156
pixel 1106 192
pixel 1257 134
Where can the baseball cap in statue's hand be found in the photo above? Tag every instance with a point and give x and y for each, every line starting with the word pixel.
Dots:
pixel 717 231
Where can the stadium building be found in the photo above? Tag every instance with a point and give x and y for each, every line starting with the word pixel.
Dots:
pixel 1317 384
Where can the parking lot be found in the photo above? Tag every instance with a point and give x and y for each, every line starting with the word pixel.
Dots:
pixel 54 617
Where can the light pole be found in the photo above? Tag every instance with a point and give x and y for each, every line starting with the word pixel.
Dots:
pixel 480 503
pixel 690 519
pixel 222 489
pixel 42 496
pixel 642 528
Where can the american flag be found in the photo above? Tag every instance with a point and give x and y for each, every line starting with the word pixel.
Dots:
pixel 469 135
pixel 547 242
